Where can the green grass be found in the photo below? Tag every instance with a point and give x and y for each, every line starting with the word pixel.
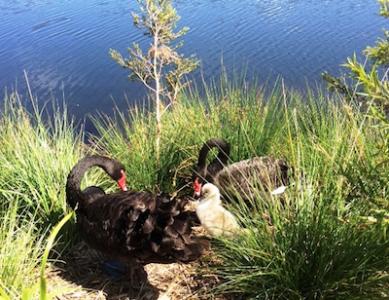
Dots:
pixel 35 157
pixel 324 242
pixel 20 251
pixel 317 247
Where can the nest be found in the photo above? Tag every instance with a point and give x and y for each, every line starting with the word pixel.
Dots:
pixel 79 276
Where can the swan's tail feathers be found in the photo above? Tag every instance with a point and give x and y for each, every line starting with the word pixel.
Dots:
pixel 278 191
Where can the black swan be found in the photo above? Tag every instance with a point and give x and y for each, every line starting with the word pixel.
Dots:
pixel 241 177
pixel 206 173
pixel 136 228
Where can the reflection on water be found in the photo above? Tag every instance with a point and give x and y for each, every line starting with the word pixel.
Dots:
pixel 63 45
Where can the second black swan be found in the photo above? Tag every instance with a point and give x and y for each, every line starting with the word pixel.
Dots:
pixel 242 177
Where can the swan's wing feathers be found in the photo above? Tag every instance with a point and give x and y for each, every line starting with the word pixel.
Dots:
pixel 171 232
pixel 141 225
pixel 93 192
pixel 133 214
pixel 284 169
pixel 182 227
pixel 261 172
pixel 172 237
pixel 149 225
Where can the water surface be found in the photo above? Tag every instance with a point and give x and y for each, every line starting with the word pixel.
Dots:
pixel 63 45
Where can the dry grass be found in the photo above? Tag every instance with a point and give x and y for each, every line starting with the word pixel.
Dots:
pixel 79 276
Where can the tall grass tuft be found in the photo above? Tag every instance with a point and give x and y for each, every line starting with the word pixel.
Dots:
pixel 20 251
pixel 36 153
pixel 318 243
pixel 306 248
pixel 38 148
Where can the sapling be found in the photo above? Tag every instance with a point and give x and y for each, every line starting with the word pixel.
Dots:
pixel 161 68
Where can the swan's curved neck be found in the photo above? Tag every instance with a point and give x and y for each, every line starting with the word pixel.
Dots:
pixel 73 184
pixel 222 156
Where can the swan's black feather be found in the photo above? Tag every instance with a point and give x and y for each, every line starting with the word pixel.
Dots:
pixel 127 223
pixel 245 176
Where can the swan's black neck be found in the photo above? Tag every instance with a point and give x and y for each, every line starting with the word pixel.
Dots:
pixel 222 156
pixel 73 184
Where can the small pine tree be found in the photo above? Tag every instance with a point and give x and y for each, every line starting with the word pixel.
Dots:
pixel 161 69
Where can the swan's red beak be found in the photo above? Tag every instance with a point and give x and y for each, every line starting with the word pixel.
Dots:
pixel 122 182
pixel 197 187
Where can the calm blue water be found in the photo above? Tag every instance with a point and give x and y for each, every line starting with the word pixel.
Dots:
pixel 63 45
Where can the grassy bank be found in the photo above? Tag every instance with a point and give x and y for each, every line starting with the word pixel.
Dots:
pixel 329 240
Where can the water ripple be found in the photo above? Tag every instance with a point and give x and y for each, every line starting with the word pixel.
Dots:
pixel 66 43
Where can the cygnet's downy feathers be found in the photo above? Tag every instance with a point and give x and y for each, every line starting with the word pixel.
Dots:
pixel 215 219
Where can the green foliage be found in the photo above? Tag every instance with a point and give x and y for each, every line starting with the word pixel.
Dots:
pixel 35 157
pixel 162 70
pixel 50 242
pixel 31 289
pixel 307 253
pixel 367 86
pixel 384 8
pixel 162 63
pixel 20 250
pixel 334 216
pixel 380 52
pixel 323 242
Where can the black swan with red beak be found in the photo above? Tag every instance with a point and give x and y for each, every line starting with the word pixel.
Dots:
pixel 133 227
pixel 242 177
pixel 204 173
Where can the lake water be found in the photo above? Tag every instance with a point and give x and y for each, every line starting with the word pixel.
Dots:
pixel 63 45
